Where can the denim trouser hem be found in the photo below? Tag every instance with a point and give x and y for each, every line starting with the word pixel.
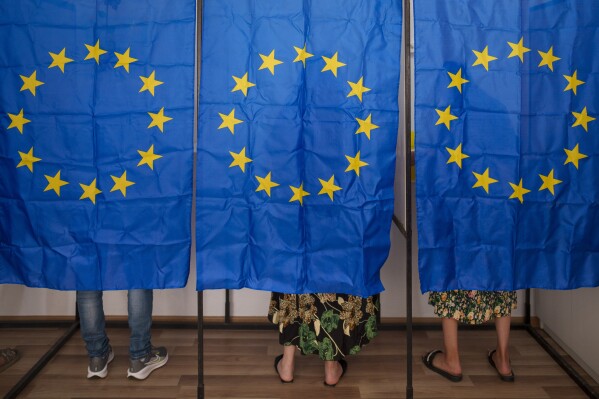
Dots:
pixel 93 330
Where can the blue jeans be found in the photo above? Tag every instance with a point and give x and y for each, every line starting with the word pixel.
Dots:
pixel 93 332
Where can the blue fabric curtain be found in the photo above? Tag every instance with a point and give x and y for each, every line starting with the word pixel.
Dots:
pixel 96 143
pixel 507 144
pixel 296 153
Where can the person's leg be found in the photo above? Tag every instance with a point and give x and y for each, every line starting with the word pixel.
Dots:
pixel 144 358
pixel 286 365
pixel 91 320
pixel 140 322
pixel 332 371
pixel 502 357
pixel 449 360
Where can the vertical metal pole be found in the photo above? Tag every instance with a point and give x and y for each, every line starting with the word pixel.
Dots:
pixel 407 73
pixel 227 306
pixel 201 344
pixel 527 315
pixel 200 294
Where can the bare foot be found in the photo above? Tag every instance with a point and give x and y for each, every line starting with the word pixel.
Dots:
pixel 440 361
pixel 332 372
pixel 502 363
pixel 285 368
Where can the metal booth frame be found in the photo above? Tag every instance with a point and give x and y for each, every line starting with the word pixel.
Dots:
pixel 404 228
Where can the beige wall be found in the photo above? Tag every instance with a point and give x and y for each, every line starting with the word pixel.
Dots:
pixel 572 319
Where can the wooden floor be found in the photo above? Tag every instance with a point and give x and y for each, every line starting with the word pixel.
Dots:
pixel 239 364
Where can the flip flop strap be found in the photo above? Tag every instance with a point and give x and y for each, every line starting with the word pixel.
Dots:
pixel 8 354
pixel 431 356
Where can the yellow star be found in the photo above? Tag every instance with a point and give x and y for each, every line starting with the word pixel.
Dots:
pixel 269 62
pixel 148 157
pixel 457 80
pixel 518 49
pixel 121 183
pixel 55 183
pixel 266 184
pixel 242 84
pixel 483 180
pixel 573 82
pixel 328 187
pixel 229 121
pixel 519 191
pixel 90 191
pixel 124 60
pixel 19 120
pixel 302 55
pixel 332 64
pixel 483 58
pixel 357 88
pixel 582 119
pixel 298 194
pixel 366 126
pixel 456 155
pixel 31 82
pixel 445 117
pixel 549 182
pixel 27 159
pixel 150 83
pixel 548 58
pixel 94 52
pixel 239 159
pixel 574 155
pixel 59 60
pixel 355 163
pixel 158 119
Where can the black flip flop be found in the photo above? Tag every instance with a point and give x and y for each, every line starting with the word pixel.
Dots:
pixel 10 357
pixel 343 364
pixel 428 362
pixel 504 377
pixel 277 360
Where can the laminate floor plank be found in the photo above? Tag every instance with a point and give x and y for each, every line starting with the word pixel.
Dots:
pixel 32 343
pixel 239 364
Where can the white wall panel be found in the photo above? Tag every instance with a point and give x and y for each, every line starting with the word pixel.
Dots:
pixel 571 318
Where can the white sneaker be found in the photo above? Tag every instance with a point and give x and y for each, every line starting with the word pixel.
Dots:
pixel 141 368
pixel 98 366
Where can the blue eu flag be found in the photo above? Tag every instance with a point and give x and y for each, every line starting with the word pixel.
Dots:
pixel 507 144
pixel 96 125
pixel 296 152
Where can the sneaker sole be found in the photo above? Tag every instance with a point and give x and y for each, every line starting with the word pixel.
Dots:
pixel 146 371
pixel 102 373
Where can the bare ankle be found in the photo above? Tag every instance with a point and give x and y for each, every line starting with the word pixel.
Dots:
pixel 332 372
pixel 502 361
pixel 447 363
pixel 285 368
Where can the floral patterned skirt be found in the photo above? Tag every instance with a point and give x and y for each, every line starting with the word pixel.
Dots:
pixel 330 325
pixel 473 307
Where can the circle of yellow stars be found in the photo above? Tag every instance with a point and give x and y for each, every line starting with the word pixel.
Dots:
pixel 269 63
pixel 60 60
pixel 484 59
